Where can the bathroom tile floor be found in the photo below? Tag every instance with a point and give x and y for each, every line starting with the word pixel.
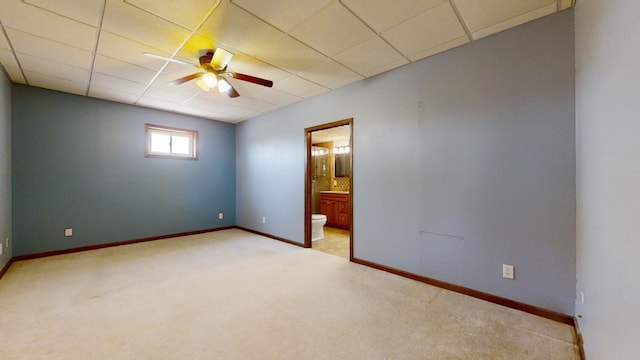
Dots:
pixel 335 242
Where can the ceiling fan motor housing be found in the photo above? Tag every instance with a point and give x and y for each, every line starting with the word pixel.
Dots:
pixel 206 59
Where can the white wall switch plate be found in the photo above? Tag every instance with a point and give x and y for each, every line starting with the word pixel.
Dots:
pixel 220 216
pixel 264 220
pixel 507 271
pixel 68 232
pixel 1 249
pixel 6 242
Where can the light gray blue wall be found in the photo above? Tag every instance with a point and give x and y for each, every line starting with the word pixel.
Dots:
pixel 79 162
pixel 608 174
pixel 5 168
pixel 476 144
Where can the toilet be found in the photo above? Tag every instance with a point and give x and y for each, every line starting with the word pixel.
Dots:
pixel 317 226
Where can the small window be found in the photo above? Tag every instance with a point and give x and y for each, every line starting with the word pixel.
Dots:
pixel 166 142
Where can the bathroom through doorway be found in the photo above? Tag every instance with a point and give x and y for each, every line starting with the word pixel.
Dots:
pixel 329 188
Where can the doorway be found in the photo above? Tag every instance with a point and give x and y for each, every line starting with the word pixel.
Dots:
pixel 329 186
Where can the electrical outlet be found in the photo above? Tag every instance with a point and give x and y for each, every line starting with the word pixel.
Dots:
pixel 507 271
pixel 220 216
pixel 68 232
pixel 264 220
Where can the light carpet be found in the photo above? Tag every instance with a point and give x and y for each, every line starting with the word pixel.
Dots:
pixel 235 295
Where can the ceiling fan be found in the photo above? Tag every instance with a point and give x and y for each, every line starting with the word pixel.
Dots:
pixel 213 72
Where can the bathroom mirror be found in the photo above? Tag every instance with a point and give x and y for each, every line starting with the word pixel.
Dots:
pixel 342 165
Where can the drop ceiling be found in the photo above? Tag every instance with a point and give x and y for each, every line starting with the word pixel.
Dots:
pixel 306 47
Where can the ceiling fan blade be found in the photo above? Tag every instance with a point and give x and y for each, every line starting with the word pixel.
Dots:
pixel 155 56
pixel 220 59
pixel 232 92
pixel 186 78
pixel 252 79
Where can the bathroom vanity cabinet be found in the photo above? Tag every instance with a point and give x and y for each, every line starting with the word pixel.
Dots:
pixel 335 205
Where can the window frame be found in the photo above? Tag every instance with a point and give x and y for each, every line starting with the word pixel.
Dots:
pixel 193 145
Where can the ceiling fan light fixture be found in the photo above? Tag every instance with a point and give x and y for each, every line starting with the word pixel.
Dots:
pixel 223 86
pixel 209 80
pixel 213 72
pixel 202 85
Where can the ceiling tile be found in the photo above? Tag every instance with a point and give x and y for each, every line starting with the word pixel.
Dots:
pixel 513 22
pixel 440 48
pixel 15 74
pixel 425 31
pixel 9 63
pixel 156 103
pixel 117 84
pixel 382 15
pixel 478 15
pixel 204 114
pixel 85 11
pixel 188 14
pixel 230 24
pixel 369 56
pixel 237 116
pixel 136 24
pixel 290 54
pixel 200 103
pixel 7 58
pixel 4 43
pixel 166 95
pixel 129 51
pixel 183 109
pixel 39 47
pixel 48 67
pixel 113 95
pixel 387 67
pixel 275 96
pixel 55 83
pixel 565 4
pixel 330 74
pixel 298 86
pixel 272 11
pixel 212 101
pixel 248 103
pixel 113 67
pixel 20 16
pixel 213 105
pixel 332 30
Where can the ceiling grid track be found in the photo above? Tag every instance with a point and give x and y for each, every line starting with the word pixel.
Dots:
pixel 459 16
pixel 169 20
pixel 379 35
pixel 95 49
pixel 13 53
pixel 96 42
pixel 193 32
pixel 288 33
